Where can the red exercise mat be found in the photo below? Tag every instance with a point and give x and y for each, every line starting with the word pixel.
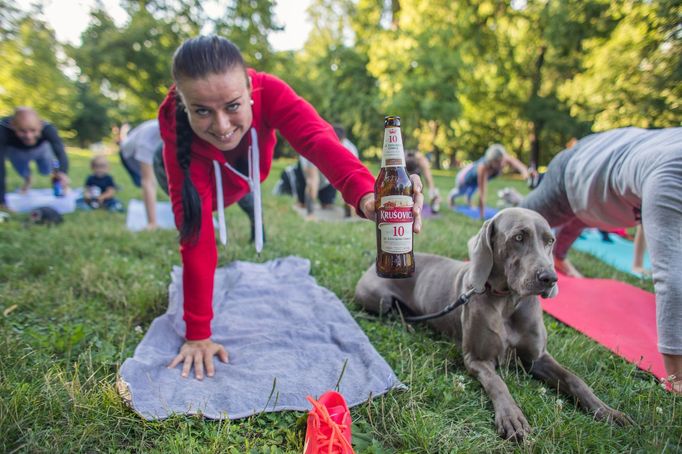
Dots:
pixel 615 314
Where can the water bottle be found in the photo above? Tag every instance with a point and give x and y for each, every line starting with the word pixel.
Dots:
pixel 57 187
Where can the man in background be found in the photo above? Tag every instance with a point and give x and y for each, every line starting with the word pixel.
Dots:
pixel 24 137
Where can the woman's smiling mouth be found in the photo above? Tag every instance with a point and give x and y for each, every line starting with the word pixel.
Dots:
pixel 224 138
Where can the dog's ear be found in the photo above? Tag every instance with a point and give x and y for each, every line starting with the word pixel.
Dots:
pixel 481 256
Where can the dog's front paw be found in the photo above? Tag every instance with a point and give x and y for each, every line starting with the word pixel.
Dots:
pixel 607 413
pixel 511 424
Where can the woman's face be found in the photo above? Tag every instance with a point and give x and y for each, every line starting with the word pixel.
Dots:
pixel 219 107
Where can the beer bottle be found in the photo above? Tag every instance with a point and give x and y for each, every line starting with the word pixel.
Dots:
pixel 393 205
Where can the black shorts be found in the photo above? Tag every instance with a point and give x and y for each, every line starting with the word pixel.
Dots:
pixel 326 195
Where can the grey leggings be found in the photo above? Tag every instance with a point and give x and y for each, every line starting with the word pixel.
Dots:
pixel 550 200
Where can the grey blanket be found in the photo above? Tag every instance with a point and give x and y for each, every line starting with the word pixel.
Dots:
pixel 286 337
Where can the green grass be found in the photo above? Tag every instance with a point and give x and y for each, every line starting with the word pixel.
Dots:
pixel 86 291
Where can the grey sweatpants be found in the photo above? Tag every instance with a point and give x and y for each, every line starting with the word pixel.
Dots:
pixel 550 200
pixel 21 159
pixel 662 224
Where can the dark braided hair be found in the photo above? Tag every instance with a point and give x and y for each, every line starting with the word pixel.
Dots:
pixel 197 58
pixel 191 203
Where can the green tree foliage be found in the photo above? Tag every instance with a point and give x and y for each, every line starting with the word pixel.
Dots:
pixel 9 15
pixel 417 61
pixel 632 77
pixel 248 23
pixel 331 74
pixel 31 73
pixel 529 74
pixel 516 56
pixel 91 118
pixel 131 64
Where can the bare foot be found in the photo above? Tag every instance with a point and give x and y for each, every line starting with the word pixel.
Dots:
pixel 641 271
pixel 566 267
pixel 676 387
pixel 152 226
pixel 673 367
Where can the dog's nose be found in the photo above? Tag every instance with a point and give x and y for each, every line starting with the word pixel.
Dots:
pixel 547 277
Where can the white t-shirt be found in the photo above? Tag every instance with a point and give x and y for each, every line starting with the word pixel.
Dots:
pixel 350 146
pixel 142 142
pixel 605 177
pixel 324 182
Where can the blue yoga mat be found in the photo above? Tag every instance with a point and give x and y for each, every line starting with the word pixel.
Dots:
pixel 618 254
pixel 474 213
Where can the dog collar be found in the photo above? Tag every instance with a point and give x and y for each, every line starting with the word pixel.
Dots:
pixel 494 292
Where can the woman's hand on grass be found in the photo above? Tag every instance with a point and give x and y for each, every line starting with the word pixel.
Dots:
pixel 199 353
pixel 368 208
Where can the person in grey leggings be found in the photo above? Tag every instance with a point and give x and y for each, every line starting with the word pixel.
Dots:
pixel 621 178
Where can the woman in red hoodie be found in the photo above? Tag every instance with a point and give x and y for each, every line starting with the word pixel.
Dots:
pixel 218 127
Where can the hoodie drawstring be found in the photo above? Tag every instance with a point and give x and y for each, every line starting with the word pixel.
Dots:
pixel 254 185
pixel 254 176
pixel 221 207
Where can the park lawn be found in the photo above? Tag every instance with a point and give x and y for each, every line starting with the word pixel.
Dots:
pixel 86 291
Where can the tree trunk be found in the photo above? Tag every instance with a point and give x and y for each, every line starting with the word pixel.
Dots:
pixel 436 151
pixel 538 123
pixel 395 9
pixel 535 143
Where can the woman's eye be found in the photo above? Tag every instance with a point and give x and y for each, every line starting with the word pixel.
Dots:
pixel 202 112
pixel 233 107
pixel 518 237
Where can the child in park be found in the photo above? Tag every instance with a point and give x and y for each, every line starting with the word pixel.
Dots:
pixel 100 189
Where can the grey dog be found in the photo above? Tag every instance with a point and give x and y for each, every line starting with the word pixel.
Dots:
pixel 511 264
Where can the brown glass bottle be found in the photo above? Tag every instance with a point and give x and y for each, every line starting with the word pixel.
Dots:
pixel 393 204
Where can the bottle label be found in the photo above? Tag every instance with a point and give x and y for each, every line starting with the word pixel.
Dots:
pixel 395 223
pixel 393 154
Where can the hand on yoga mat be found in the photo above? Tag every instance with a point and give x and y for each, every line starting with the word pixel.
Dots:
pixel 367 203
pixel 200 354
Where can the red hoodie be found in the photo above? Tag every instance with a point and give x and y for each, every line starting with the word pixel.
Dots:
pixel 275 106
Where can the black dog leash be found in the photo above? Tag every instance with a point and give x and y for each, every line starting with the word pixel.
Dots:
pixel 461 300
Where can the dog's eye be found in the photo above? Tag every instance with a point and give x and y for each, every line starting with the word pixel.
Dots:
pixel 550 241
pixel 518 237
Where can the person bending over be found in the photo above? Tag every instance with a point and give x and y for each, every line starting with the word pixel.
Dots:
pixel 24 137
pixel 314 186
pixel 416 163
pixel 476 175
pixel 137 155
pixel 621 178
